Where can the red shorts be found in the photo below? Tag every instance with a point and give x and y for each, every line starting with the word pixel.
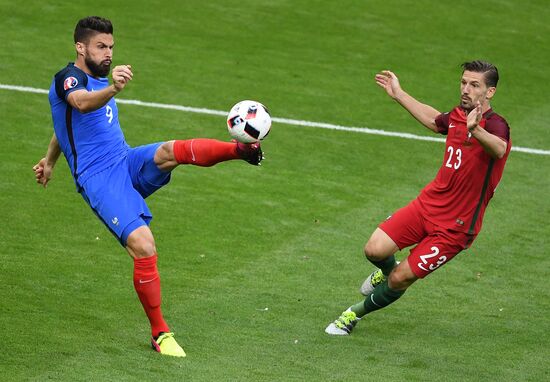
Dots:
pixel 435 245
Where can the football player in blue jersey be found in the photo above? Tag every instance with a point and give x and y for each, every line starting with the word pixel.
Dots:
pixel 112 177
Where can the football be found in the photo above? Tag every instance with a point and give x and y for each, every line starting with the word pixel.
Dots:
pixel 248 121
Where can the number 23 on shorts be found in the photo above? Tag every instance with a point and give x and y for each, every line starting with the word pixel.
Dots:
pixel 429 262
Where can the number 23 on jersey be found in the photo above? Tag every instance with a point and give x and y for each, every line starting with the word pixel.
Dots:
pixel 455 158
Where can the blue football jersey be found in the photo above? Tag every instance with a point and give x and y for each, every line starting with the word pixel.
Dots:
pixel 91 142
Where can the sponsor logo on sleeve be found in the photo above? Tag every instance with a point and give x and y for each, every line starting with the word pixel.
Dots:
pixel 70 82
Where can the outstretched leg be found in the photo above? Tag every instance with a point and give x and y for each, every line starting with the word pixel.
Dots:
pixel 204 152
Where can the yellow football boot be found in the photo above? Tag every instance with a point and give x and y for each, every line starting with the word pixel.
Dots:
pixel 167 345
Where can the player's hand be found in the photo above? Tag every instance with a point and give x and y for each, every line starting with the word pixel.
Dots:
pixel 121 74
pixel 42 172
pixel 474 117
pixel 389 82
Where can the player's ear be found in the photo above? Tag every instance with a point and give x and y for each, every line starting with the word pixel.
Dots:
pixel 491 92
pixel 79 48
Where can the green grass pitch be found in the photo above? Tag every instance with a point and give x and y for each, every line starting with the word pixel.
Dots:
pixel 255 262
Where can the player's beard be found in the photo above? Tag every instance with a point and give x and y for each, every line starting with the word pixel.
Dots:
pixel 466 104
pixel 98 70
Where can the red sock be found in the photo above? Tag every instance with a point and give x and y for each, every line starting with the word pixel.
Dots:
pixel 147 285
pixel 204 152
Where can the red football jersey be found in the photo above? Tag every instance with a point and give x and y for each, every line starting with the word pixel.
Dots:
pixel 456 199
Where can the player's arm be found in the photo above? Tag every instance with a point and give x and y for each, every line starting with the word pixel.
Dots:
pixel 492 144
pixel 44 168
pixel 425 114
pixel 85 101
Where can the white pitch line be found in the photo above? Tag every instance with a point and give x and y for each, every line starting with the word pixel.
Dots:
pixel 23 89
pixel 286 121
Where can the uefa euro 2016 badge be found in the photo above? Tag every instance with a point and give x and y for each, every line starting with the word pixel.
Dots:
pixel 69 83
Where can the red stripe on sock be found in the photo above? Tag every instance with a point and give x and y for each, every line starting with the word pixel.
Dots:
pixel 204 152
pixel 147 286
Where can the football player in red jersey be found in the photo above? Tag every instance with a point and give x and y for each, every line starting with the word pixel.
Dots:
pixel 446 216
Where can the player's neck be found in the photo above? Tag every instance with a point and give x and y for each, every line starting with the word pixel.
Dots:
pixel 485 107
pixel 81 64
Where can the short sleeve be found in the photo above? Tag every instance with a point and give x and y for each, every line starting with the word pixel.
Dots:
pixel 498 126
pixel 69 80
pixel 442 123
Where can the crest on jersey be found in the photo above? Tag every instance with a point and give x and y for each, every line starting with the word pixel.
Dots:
pixel 70 82
pixel 467 141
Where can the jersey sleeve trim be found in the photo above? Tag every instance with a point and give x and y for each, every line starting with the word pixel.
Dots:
pixel 68 80
pixel 442 123
pixel 498 126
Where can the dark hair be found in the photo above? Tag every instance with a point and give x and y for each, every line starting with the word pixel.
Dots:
pixel 89 26
pixel 489 70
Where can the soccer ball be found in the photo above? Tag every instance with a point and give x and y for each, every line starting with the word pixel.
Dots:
pixel 248 121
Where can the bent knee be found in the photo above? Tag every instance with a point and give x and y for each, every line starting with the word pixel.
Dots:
pixel 141 243
pixel 380 246
pixel 145 249
pixel 165 152
pixel 375 250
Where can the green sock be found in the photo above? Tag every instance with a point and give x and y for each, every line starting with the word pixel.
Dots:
pixel 381 297
pixel 385 265
pixel 359 309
